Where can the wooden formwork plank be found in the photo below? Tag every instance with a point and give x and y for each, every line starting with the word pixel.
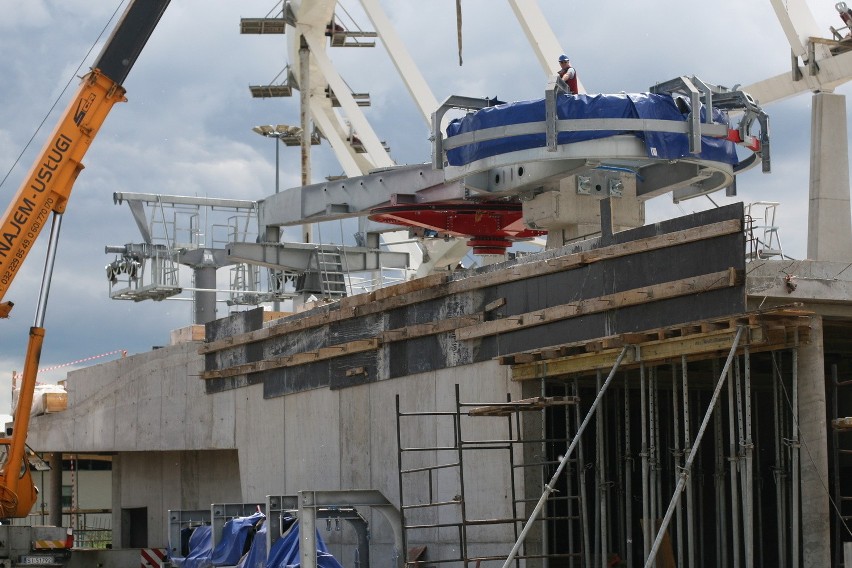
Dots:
pixel 768 329
pixel 357 346
pixel 525 405
pixel 431 328
pixel 666 290
pixel 648 352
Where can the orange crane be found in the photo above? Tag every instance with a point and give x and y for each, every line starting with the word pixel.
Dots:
pixel 46 190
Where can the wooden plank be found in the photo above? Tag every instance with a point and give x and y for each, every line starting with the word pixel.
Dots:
pixel 357 346
pixel 757 338
pixel 636 296
pixel 410 286
pixel 759 323
pixel 436 285
pixel 491 306
pixel 431 328
pixel 525 405
pixel 571 365
pixel 649 352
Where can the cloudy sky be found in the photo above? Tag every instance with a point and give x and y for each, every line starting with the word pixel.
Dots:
pixel 186 129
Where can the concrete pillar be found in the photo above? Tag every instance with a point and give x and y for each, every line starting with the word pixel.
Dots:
pixel 117 526
pixel 816 533
pixel 205 296
pixel 829 212
pixel 55 492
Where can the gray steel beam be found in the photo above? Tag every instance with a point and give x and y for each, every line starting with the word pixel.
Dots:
pixel 118 197
pixel 353 196
pixel 657 179
pixel 297 256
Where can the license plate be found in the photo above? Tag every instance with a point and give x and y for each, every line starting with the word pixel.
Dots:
pixel 36 560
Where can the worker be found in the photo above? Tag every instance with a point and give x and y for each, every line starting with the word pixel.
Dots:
pixel 567 73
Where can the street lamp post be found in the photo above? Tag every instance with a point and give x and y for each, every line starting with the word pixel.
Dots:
pixel 276 132
pixel 280 133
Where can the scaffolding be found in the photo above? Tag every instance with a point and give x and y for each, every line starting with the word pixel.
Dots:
pixel 642 458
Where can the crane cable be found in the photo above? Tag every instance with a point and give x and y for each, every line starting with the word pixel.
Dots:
pixel 59 96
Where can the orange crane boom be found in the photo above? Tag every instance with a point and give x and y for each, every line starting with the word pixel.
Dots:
pixel 46 190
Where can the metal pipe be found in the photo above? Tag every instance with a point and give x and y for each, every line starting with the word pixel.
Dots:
pixel 615 506
pixel 47 274
pixel 732 463
pixel 460 445
pixel 758 488
pixel 794 449
pixel 652 449
pixel 571 491
pixel 719 485
pixel 835 437
pixel 549 488
pixel 741 467
pixel 658 462
pixel 601 477
pixel 581 483
pixel 628 478
pixel 676 462
pixel 687 444
pixel 545 529
pixel 748 497
pixel 778 472
pixel 646 530
pixel 688 465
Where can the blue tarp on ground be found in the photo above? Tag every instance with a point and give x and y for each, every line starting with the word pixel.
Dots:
pixel 234 541
pixel 200 547
pixel 256 557
pixel 663 145
pixel 285 552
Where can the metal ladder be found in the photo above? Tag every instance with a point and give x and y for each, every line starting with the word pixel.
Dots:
pixel 329 263
pixel 763 232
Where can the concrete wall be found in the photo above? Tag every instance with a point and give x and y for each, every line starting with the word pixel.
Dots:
pixel 346 439
pixel 152 401
pixel 178 448
pixel 161 481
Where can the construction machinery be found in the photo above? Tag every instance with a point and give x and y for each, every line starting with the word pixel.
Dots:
pixel 45 190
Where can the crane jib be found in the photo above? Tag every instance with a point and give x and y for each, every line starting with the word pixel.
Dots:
pixel 32 209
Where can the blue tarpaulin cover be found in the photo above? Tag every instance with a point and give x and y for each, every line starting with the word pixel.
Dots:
pixel 285 552
pixel 256 557
pixel 662 145
pixel 235 535
pixel 232 545
pixel 200 547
